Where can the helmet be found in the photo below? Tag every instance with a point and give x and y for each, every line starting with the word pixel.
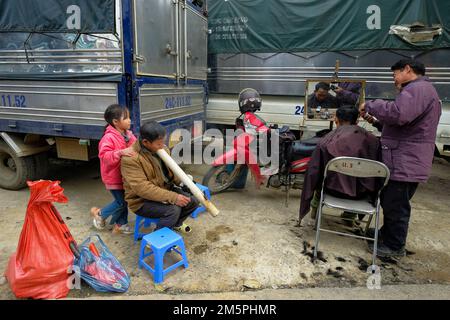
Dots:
pixel 249 100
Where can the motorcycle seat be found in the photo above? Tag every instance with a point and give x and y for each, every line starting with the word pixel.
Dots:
pixel 311 141
pixel 302 150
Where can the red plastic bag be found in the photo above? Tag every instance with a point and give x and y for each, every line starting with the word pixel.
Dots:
pixel 40 267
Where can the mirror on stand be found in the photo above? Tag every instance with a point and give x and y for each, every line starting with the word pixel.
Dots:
pixel 324 97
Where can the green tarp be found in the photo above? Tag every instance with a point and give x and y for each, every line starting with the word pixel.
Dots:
pixel 321 25
pixel 84 16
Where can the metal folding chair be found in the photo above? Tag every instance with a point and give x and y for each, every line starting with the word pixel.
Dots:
pixel 359 168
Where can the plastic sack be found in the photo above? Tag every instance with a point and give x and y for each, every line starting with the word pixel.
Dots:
pixel 99 268
pixel 40 268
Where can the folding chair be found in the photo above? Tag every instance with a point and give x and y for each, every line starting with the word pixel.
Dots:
pixel 359 168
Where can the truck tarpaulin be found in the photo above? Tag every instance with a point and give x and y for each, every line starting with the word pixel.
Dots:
pixel 258 26
pixel 71 16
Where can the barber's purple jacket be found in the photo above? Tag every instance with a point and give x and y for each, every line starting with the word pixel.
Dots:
pixel 350 93
pixel 409 130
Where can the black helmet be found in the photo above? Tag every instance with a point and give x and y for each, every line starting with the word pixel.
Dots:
pixel 249 100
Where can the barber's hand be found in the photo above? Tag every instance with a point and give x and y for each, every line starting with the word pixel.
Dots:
pixel 128 152
pixel 362 109
pixel 369 118
pixel 182 201
pixel 338 90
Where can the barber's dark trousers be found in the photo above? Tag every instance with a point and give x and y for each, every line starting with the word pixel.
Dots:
pixel 395 201
pixel 169 215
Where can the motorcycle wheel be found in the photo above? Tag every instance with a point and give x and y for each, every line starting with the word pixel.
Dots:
pixel 218 179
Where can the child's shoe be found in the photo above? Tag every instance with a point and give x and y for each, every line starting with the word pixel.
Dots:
pixel 99 222
pixel 122 229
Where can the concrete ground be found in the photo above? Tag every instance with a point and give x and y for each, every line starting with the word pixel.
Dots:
pixel 390 292
pixel 254 248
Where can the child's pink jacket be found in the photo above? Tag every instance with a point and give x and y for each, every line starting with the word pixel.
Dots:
pixel 109 149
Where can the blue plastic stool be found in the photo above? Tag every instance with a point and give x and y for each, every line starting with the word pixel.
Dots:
pixel 201 208
pixel 142 222
pixel 160 242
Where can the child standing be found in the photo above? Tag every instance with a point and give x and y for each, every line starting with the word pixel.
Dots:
pixel 115 144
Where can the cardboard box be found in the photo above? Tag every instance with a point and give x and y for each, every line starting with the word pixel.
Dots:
pixel 68 148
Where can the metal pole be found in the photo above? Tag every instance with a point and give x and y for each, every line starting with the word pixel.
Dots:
pixel 185 44
pixel 177 39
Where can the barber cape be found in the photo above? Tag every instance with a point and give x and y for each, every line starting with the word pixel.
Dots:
pixel 349 141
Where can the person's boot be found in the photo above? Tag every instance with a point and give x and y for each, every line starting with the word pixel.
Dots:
pixel 384 251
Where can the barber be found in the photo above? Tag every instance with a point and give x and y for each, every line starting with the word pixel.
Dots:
pixel 408 133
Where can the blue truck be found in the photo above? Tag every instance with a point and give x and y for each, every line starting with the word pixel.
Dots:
pixel 66 61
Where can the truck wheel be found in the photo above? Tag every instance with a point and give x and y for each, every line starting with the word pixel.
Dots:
pixel 14 171
pixel 40 165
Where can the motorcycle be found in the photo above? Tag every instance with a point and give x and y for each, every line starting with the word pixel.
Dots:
pixel 293 157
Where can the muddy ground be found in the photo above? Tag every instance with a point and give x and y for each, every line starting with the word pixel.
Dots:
pixel 253 244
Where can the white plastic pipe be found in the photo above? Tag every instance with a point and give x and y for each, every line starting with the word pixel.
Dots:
pixel 187 181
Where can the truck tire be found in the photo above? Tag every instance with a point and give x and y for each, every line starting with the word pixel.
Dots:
pixel 14 171
pixel 40 165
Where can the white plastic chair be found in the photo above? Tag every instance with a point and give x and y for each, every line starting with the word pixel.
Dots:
pixel 359 168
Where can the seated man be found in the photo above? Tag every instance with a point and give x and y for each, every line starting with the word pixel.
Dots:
pixel 151 189
pixel 350 140
pixel 321 99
